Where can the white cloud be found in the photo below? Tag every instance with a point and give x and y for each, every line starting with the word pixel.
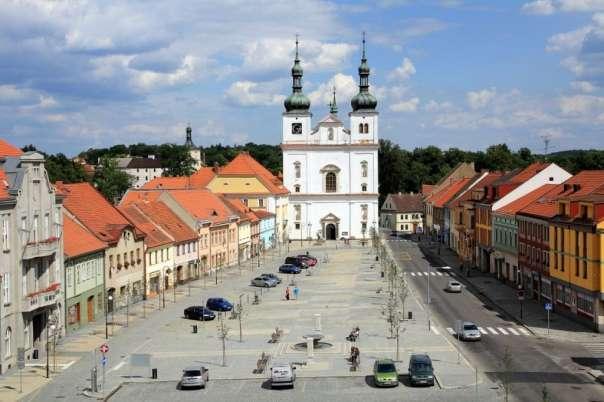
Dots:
pixel 581 105
pixel 540 7
pixel 248 93
pixel 480 99
pixel 567 41
pixel 346 88
pixel 583 86
pixel 434 106
pixel 404 71
pixel 407 106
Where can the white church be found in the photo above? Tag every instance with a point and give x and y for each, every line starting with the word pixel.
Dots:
pixel 331 171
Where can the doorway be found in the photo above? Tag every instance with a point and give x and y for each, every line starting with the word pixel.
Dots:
pixel 38 324
pixel 330 231
pixel 90 308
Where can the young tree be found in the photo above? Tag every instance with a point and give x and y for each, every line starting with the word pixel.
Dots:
pixel 223 332
pixel 111 181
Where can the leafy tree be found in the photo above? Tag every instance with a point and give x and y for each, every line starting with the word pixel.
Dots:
pixel 176 160
pixel 59 167
pixel 110 181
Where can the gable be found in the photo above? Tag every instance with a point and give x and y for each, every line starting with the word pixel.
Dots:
pixel 237 185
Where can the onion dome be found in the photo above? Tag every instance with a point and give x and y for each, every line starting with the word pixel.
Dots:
pixel 297 101
pixel 364 100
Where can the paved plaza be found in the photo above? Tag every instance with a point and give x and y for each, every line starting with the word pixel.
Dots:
pixel 346 290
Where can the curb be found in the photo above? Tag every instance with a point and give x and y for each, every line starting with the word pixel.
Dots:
pixel 597 375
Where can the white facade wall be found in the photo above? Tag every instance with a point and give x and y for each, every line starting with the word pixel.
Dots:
pixel 143 175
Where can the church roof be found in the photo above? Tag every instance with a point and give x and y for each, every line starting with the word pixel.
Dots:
pixel 330 119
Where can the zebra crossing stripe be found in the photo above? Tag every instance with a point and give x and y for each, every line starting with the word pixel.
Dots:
pixel 433 273
pixel 524 331
pixel 513 331
pixel 491 330
pixel 503 331
pixel 482 331
pixel 450 330
pixel 439 273
pixel 433 328
pixel 451 274
pixel 412 273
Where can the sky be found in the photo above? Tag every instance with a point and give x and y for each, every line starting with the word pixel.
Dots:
pixel 76 74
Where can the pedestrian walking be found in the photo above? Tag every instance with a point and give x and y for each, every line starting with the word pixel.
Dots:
pixel 287 293
pixel 296 292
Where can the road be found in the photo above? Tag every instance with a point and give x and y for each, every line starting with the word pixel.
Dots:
pixel 507 353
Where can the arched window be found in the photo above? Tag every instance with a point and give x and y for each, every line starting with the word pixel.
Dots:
pixel 297 169
pixel 297 188
pixel 361 128
pixel 330 182
pixel 363 187
pixel 330 134
pixel 366 128
pixel 364 169
pixel 7 339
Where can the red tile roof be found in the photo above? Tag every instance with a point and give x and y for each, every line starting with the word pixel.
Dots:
pixel 7 149
pixel 545 206
pixel 163 216
pixel 244 164
pixel 135 195
pixel 441 197
pixel 528 172
pixel 513 207
pixel 77 240
pixel 241 209
pixel 262 214
pixel 427 189
pixel 3 185
pixel 583 183
pixel 200 179
pixel 155 235
pixel 94 211
pixel 203 204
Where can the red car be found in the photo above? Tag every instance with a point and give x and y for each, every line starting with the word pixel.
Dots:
pixel 308 259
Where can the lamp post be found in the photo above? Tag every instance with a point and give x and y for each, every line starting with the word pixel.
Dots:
pixel 109 300
pixel 53 328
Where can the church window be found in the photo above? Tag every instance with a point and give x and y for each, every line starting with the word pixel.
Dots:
pixel 298 210
pixel 364 212
pixel 297 169
pixel 297 226
pixel 366 131
pixel 363 187
pixel 330 134
pixel 297 188
pixel 330 182
pixel 361 128
pixel 296 128
pixel 364 169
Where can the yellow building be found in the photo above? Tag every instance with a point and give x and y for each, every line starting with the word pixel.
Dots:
pixel 576 241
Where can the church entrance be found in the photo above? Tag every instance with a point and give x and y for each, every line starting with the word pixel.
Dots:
pixel 330 231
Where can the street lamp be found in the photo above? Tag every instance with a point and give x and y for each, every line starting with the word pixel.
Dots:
pixel 109 300
pixel 308 233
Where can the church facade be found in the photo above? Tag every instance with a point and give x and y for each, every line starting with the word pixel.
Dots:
pixel 330 170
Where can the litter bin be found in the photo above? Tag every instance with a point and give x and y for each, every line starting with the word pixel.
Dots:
pixel 154 373
pixel 410 315
pixel 194 328
pixel 382 274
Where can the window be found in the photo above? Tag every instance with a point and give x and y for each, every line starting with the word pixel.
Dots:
pixel 178 250
pixel 297 169
pixel 364 210
pixel 6 288
pixel 261 202
pixel 366 128
pixel 297 188
pixel 330 134
pixel 5 233
pixel 57 222
pixel 363 187
pixel 24 231
pixel 330 182
pixel 297 226
pixel 364 169
pixel 298 210
pixel 110 261
pixel 584 269
pixel 7 339
pixel 361 128
pixel 26 335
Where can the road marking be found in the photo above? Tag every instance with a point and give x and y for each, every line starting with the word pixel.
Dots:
pixel 450 330
pixel 503 331
pixel 65 367
pixel 451 274
pixel 433 273
pixel 524 331
pixel 412 273
pixel 513 331
pixel 433 328
pixel 439 273
pixel 482 331
pixel 491 330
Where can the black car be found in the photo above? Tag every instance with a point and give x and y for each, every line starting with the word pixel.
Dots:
pixel 297 261
pixel 219 304
pixel 421 371
pixel 289 269
pixel 199 313
pixel 272 276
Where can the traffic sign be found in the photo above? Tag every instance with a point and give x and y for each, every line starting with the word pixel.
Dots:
pixel 104 348
pixel 520 294
pixel 548 306
pixel 104 360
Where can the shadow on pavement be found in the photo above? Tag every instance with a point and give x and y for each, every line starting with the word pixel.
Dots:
pixel 591 362
pixel 534 377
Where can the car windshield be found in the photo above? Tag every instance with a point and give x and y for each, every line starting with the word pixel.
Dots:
pixel 192 373
pixel 422 367
pixel 386 368
pixel 470 327
pixel 454 283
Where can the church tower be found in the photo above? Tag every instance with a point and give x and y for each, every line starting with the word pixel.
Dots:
pixel 364 117
pixel 193 150
pixel 296 118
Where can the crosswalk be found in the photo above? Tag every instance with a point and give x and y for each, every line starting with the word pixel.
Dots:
pixel 426 273
pixel 509 331
pixel 595 348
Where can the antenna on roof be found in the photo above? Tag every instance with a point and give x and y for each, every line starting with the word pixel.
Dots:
pixel 546 138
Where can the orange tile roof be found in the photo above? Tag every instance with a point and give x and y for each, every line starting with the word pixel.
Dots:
pixel 427 189
pixel 155 235
pixel 163 216
pixel 243 210
pixel 528 172
pixel 94 211
pixel 135 195
pixel 513 207
pixel 545 206
pixel 203 204
pixel 583 183
pixel 77 240
pixel 262 214
pixel 3 185
pixel 200 179
pixel 439 198
pixel 244 164
pixel 7 149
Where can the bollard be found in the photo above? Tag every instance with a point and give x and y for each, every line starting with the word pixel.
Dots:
pixel 410 315
pixel 93 380
pixel 382 274
pixel 154 373
pixel 194 328
pixel 377 258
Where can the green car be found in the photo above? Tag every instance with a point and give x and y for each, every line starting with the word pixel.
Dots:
pixel 385 374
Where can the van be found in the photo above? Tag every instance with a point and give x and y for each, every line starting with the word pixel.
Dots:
pixel 421 371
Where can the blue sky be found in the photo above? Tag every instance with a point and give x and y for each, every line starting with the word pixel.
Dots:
pixel 90 73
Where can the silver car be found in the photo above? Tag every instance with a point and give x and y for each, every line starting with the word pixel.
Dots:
pixel 469 332
pixel 454 287
pixel 264 282
pixel 194 377
pixel 283 375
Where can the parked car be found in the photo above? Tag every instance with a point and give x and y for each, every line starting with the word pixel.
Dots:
pixel 308 259
pixel 283 375
pixel 468 331
pixel 264 282
pixel 421 370
pixel 453 287
pixel 219 304
pixel 199 313
pixel 384 373
pixel 272 276
pixel 194 376
pixel 297 261
pixel 289 269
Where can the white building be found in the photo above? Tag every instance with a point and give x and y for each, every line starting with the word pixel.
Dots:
pixel 142 170
pixel 331 171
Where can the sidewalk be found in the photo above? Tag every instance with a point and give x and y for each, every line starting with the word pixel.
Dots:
pixel 504 297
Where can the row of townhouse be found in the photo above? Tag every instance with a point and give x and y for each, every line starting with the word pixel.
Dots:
pixel 69 256
pixel 539 229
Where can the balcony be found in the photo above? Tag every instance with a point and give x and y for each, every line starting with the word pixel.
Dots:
pixel 41 298
pixel 42 248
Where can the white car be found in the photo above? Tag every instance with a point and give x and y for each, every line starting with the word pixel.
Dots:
pixel 468 332
pixel 283 375
pixel 453 287
pixel 446 268
pixel 194 376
